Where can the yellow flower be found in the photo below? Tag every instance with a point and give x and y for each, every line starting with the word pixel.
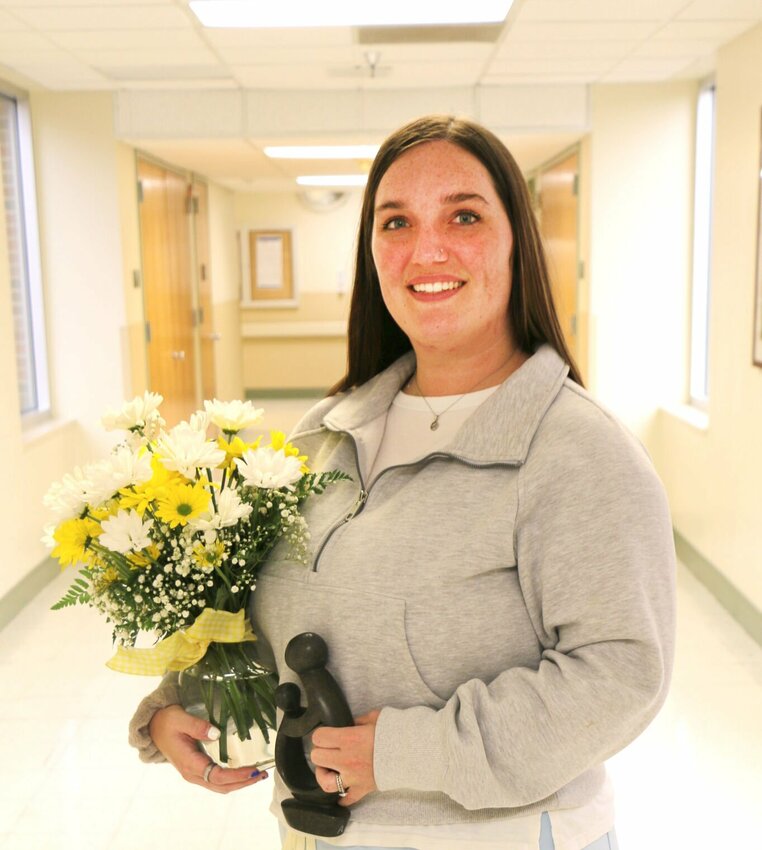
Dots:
pixel 146 558
pixel 233 449
pixel 73 538
pixel 140 496
pixel 278 442
pixel 182 502
pixel 208 557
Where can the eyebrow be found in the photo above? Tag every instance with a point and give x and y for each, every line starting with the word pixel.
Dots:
pixel 455 198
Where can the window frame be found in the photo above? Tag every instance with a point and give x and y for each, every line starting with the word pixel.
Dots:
pixel 701 249
pixel 27 193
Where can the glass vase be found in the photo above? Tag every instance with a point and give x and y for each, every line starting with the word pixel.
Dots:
pixel 237 695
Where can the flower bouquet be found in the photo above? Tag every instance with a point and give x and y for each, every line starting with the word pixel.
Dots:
pixel 169 532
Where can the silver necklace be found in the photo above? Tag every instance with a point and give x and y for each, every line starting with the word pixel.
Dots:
pixel 435 421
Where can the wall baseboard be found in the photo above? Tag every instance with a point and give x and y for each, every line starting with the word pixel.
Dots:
pixel 744 612
pixel 21 594
pixel 285 393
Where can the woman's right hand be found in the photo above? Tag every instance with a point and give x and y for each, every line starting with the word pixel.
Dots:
pixel 175 733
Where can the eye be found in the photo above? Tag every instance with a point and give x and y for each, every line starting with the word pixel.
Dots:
pixel 466 217
pixel 395 223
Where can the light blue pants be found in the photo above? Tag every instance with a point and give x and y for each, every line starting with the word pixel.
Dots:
pixel 605 842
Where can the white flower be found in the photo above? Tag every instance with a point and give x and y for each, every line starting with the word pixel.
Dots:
pixel 47 537
pixel 185 450
pixel 68 498
pixel 230 509
pixel 269 469
pixel 126 532
pixel 233 415
pixel 138 413
pixel 199 421
pixel 123 468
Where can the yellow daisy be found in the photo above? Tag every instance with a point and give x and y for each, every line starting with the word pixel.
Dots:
pixel 73 538
pixel 182 502
pixel 233 449
pixel 278 442
pixel 140 496
pixel 146 558
pixel 209 556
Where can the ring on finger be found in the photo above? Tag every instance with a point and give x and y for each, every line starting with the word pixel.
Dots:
pixel 340 786
pixel 208 771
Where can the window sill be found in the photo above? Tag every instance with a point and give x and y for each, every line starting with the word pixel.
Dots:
pixel 43 429
pixel 693 416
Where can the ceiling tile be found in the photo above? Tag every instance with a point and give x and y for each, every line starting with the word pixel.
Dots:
pixel 565 49
pixel 26 40
pixel 674 49
pixel 347 55
pixel 537 79
pixel 599 10
pixel 644 70
pixel 125 39
pixel 712 10
pixel 56 18
pixel 552 65
pixel 583 30
pixel 151 56
pixel 719 30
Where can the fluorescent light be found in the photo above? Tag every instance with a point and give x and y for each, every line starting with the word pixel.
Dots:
pixel 333 180
pixel 340 13
pixel 322 151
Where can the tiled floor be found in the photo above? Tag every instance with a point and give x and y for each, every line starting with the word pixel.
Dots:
pixel 693 781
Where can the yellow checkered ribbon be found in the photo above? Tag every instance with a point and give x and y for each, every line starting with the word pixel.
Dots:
pixel 183 649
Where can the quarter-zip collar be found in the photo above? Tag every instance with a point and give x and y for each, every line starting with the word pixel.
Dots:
pixel 499 431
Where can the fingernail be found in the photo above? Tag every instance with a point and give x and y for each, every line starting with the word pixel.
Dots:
pixel 255 773
pixel 213 734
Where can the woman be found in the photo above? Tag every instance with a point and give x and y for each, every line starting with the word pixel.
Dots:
pixel 496 583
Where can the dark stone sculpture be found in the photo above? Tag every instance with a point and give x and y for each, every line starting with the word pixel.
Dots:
pixel 311 810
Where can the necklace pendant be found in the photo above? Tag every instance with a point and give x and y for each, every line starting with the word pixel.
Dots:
pixel 434 424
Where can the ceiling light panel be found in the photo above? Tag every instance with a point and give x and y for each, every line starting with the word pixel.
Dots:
pixel 339 13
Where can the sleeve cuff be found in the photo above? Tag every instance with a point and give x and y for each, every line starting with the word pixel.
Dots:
pixel 139 737
pixel 409 750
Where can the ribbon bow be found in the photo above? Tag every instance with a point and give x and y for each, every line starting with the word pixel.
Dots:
pixel 184 648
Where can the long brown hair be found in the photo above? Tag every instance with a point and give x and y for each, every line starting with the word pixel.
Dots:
pixel 375 339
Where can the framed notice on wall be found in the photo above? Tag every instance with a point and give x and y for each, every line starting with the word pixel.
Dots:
pixel 268 278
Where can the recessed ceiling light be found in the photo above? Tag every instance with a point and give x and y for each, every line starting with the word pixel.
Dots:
pixel 333 180
pixel 340 13
pixel 322 151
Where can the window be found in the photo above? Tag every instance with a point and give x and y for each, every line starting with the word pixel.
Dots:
pixel 702 247
pixel 18 194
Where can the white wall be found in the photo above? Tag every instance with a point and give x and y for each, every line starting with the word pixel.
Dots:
pixel 714 476
pixel 641 166
pixel 82 271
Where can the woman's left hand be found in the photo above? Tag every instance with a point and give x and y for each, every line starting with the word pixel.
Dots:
pixel 347 751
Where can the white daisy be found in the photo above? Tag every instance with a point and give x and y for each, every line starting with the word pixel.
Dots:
pixel 67 498
pixel 140 412
pixel 121 469
pixel 233 415
pixel 185 450
pixel 269 469
pixel 230 509
pixel 126 532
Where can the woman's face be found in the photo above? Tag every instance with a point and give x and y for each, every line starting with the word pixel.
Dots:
pixel 442 247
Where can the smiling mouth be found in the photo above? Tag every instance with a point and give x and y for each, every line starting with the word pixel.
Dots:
pixel 438 286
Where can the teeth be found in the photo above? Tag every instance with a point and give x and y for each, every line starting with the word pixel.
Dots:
pixel 438 286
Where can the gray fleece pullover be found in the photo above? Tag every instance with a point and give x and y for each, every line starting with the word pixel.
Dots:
pixel 508 602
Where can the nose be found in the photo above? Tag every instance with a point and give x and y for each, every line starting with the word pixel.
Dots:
pixel 430 247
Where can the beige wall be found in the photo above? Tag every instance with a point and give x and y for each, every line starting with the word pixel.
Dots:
pixel 78 209
pixel 641 167
pixel 714 476
pixel 277 352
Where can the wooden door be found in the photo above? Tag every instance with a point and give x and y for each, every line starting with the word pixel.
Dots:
pixel 556 189
pixel 207 336
pixel 168 288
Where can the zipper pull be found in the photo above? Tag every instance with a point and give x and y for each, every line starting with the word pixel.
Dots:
pixel 361 499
